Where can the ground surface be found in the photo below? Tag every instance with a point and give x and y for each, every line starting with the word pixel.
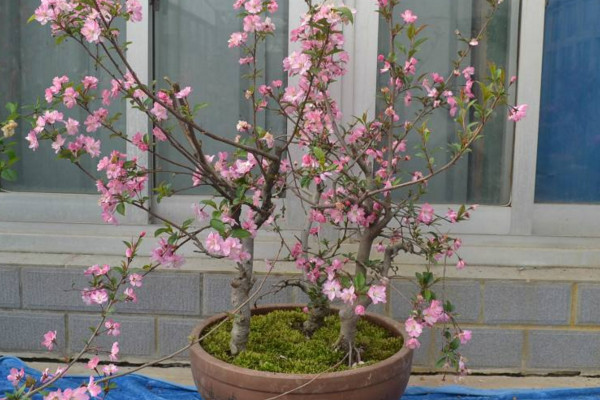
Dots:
pixel 183 376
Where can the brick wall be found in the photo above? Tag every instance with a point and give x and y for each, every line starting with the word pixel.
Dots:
pixel 519 325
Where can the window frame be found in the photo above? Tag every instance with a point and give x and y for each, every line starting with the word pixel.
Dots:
pixel 535 233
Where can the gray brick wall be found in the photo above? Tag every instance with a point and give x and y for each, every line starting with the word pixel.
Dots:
pixel 137 336
pixel 517 325
pixel 564 350
pixel 9 288
pixel 24 331
pixel 531 303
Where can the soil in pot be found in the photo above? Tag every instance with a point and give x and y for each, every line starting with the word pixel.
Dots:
pixel 277 344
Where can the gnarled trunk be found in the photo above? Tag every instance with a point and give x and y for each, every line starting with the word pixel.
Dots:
pixel 316 316
pixel 348 318
pixel 240 294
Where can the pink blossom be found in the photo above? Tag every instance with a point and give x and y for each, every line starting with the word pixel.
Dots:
pixel 253 6
pixel 135 280
pixel 237 39
pixel 93 388
pixel 44 14
pixel 252 23
pixel 159 111
pixel 183 93
pixel 90 82
pixel 272 6
pixel 407 99
pixel 359 310
pixel 70 97
pixel 468 71
pixel 93 363
pixel 15 376
pixel 213 243
pixel 138 141
pixel 91 31
pixel 72 126
pixel 408 16
pixel 413 328
pixel 99 296
pixel 200 214
pixel 451 215
pixel 110 369
pixel 413 343
pixel 130 295
pixel 377 293
pixel 114 352
pixel 432 314
pixel 297 63
pixel 464 336
pixel 331 289
pixel 426 215
pixel 134 9
pixel 159 134
pixel 518 113
pixel 97 270
pixel 113 328
pixel 49 340
pixel 460 264
pixel 347 295
pixel 58 143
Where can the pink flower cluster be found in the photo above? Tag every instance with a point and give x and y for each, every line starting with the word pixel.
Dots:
pixel 165 255
pixel 125 181
pixel 231 247
pixel 253 21
pixel 76 16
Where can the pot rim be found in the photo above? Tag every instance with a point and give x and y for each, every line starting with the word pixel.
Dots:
pixel 381 320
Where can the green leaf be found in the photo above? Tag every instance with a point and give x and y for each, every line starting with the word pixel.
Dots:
pixel 359 281
pixel 240 233
pixel 31 19
pixel 346 13
pixel 9 175
pixel 11 107
pixel 209 203
pixel 218 225
pixel 121 208
pixel 320 154
pixel 160 231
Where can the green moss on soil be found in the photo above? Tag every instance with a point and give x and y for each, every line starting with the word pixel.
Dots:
pixel 276 344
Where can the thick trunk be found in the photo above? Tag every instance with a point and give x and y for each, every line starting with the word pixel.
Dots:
pixel 348 317
pixel 348 322
pixel 316 317
pixel 240 294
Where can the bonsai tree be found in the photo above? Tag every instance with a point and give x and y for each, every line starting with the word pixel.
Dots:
pixel 356 175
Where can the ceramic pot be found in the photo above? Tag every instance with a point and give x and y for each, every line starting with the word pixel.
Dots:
pixel 218 380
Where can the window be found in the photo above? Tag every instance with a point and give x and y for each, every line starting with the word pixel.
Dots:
pixel 569 140
pixel 30 60
pixel 482 176
pixel 190 47
pixel 519 214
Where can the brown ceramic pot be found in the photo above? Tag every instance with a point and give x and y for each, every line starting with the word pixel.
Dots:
pixel 218 380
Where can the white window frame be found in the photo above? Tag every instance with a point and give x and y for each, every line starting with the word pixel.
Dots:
pixel 522 233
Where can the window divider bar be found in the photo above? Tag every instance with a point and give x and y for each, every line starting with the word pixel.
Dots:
pixel 138 56
pixel 526 132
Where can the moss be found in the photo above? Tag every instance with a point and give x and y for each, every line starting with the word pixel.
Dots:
pixel 277 344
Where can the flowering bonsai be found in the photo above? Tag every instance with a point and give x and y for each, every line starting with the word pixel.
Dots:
pixel 355 176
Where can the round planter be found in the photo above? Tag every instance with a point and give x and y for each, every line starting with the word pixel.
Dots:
pixel 218 380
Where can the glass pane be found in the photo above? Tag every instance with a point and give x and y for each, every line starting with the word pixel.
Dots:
pixel 569 137
pixel 482 176
pixel 29 61
pixel 190 47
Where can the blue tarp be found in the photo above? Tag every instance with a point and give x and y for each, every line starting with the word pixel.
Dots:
pixel 136 387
